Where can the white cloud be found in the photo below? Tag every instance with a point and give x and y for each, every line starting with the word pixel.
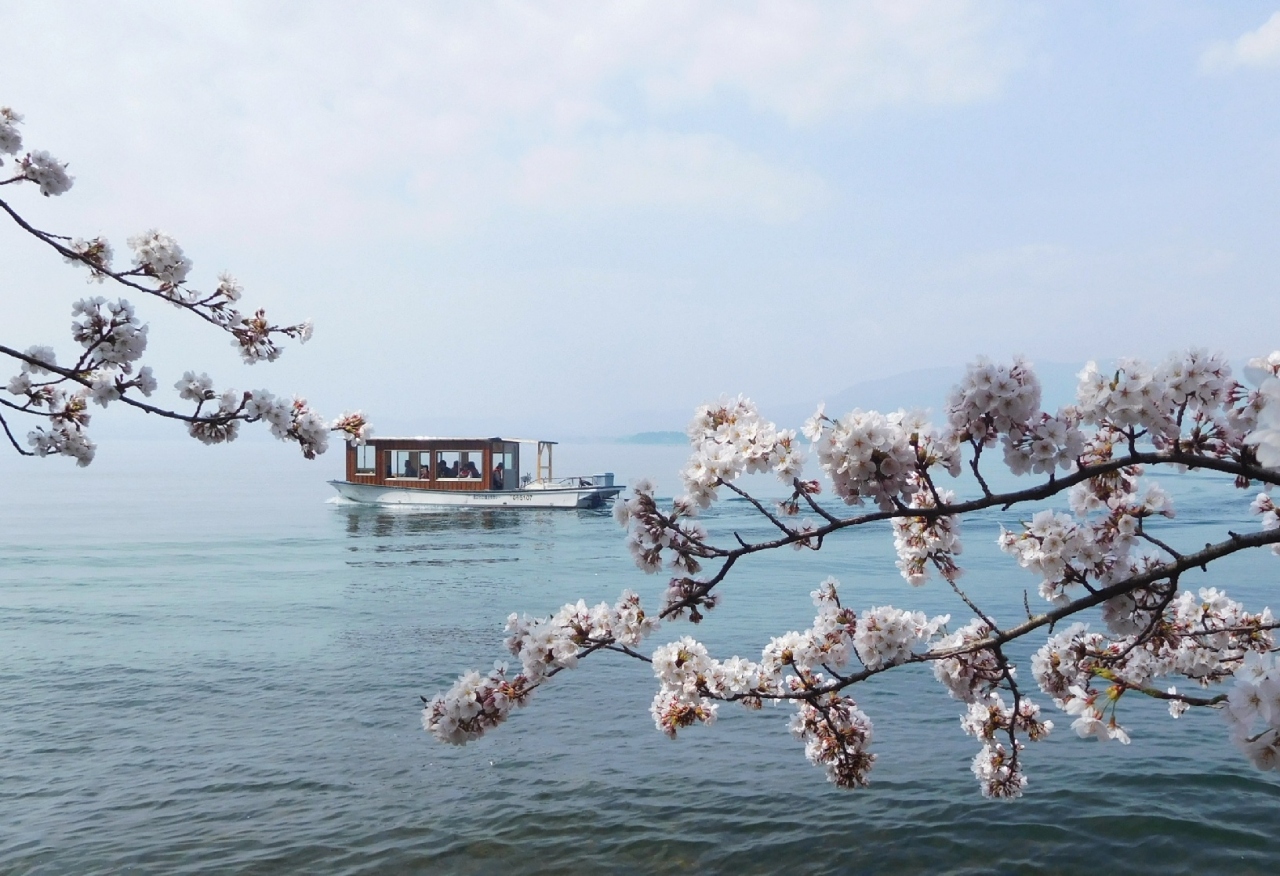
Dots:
pixel 807 61
pixel 317 119
pixel 657 170
pixel 1258 49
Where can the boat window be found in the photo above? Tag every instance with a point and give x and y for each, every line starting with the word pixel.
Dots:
pixel 446 464
pixel 410 464
pixel 366 459
pixel 459 465
pixel 505 473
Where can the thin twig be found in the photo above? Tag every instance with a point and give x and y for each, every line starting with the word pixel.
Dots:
pixel 12 440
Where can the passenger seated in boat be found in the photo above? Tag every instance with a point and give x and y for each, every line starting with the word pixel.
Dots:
pixel 411 468
pixel 444 471
pixel 469 470
pixel 497 478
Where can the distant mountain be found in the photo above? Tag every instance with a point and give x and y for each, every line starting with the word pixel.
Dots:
pixel 655 438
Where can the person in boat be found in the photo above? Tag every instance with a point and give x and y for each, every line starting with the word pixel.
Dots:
pixel 498 477
pixel 411 467
pixel 443 470
pixel 469 470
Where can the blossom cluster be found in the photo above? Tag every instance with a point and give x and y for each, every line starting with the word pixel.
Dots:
pixel 972 672
pixel 998 766
pixel 10 136
pixel 33 367
pixel 1253 710
pixel 288 419
pixel 1133 396
pixel 992 400
pixel 837 736
pixel 798 666
pixel 880 637
pixel 1045 445
pixel 835 732
pixel 1190 398
pixel 475 704
pixel 110 332
pixel 64 436
pixel 880 457
pixel 38 166
pixel 1270 515
pixel 1266 438
pixel 968 672
pixel 252 335
pixel 96 254
pixel 1054 547
pixel 655 537
pixel 1205 637
pixel 730 439
pixel 887 636
pixel 1099 542
pixel 67 413
pixel 923 540
pixel 544 646
pixel 156 254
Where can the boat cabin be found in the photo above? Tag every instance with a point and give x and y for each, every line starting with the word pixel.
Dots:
pixel 455 464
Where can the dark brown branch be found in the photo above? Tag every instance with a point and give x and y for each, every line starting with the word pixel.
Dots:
pixel 1155 541
pixel 818 509
pixel 759 507
pixel 12 440
pixel 124 278
pixel 1169 570
pixel 1049 488
pixel 79 378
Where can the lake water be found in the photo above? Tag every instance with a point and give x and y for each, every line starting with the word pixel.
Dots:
pixel 206 667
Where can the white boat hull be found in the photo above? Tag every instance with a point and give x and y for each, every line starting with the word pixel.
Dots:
pixel 548 497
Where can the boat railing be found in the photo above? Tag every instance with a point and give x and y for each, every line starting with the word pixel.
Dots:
pixel 573 481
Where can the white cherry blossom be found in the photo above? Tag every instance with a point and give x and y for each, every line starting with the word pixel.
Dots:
pixel 10 136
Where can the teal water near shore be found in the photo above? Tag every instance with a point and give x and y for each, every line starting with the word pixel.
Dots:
pixel 205 667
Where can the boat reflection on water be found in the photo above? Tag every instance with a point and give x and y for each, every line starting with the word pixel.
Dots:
pixel 383 521
pixel 416 535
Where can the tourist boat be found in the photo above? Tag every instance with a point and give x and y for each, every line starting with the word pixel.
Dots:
pixel 481 472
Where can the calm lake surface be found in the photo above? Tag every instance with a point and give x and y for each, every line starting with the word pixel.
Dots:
pixel 206 667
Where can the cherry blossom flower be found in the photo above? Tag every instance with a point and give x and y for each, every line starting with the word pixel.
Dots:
pixel 993 400
pixel 158 255
pixel 47 172
pixel 10 136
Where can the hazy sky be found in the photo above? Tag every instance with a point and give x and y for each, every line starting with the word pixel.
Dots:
pixel 586 218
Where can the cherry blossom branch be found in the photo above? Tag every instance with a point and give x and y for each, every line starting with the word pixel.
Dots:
pixel 997 639
pixel 80 378
pixel 113 339
pixel 197 305
pixel 1152 627
pixel 755 503
pixel 1004 501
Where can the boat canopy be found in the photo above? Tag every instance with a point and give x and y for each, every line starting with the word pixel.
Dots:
pixel 443 463
pixel 377 438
